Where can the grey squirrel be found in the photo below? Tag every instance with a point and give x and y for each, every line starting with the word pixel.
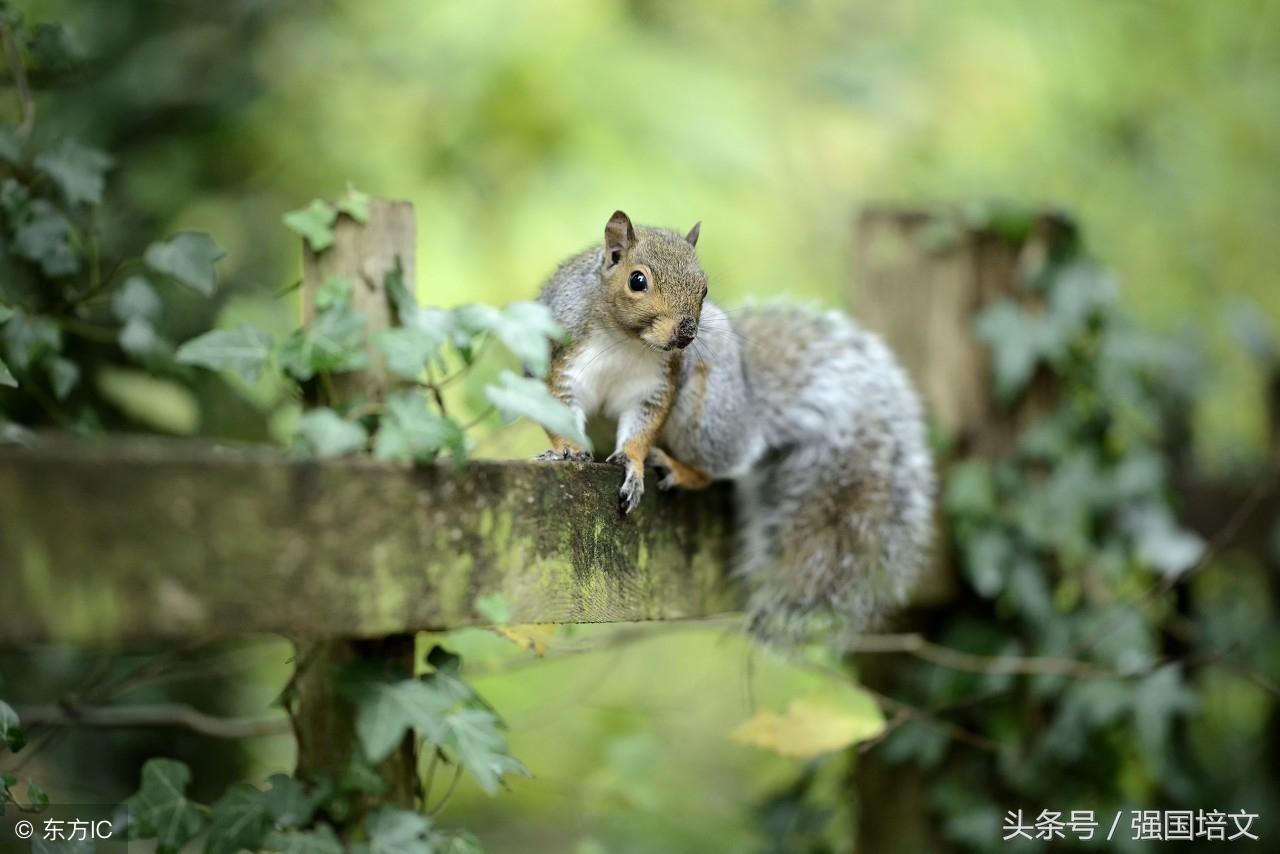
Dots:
pixel 810 416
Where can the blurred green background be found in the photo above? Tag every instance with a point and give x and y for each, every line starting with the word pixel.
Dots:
pixel 517 128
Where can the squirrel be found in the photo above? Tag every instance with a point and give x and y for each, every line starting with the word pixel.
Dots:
pixel 809 415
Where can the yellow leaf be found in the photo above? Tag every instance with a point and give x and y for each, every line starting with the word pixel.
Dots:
pixel 811 727
pixel 535 636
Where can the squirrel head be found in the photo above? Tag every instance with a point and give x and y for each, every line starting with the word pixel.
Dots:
pixel 653 283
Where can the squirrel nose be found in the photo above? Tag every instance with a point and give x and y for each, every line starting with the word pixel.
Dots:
pixel 686 333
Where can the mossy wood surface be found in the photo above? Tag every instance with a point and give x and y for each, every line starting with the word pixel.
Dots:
pixel 122 541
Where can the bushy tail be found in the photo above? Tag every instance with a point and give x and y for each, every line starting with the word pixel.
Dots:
pixel 837 518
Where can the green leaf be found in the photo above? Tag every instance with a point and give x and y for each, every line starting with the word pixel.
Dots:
pixel 1161 544
pixel 6 376
pixel 28 338
pixel 476 742
pixel 524 328
pixel 519 396
pixel 335 290
pixel 63 376
pixel 971 490
pixel 5 314
pixel 10 147
pixel 238 820
pixel 393 831
pixel 1158 699
pixel 318 840
pixel 493 608
pixel 385 711
pixel 327 434
pixel 456 842
pixel 51 48
pixel 410 430
pixel 139 338
pixel 1018 341
pixel 407 350
pixel 11 734
pixel 79 171
pixel 45 238
pixel 160 809
pixel 361 777
pixel 189 258
pixel 334 342
pixel 243 350
pixel 355 204
pixel 288 802
pixel 315 223
pixel 136 299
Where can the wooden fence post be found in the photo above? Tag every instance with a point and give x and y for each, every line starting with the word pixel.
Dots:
pixel 922 277
pixel 323 719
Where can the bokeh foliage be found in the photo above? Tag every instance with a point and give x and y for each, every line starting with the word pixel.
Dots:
pixel 517 128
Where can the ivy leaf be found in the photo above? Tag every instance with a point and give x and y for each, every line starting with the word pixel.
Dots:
pixel 457 842
pixel 1018 340
pixel 475 739
pixel 288 802
pixel 355 204
pixel 160 809
pixel 139 338
pixel 1161 544
pixel 407 350
pixel 11 734
pixel 318 840
pixel 393 831
pixel 327 434
pixel 520 396
pixel 79 171
pixel 136 299
pixel 29 337
pixel 63 376
pixel 51 48
pixel 411 431
pixel 243 350
pixel 45 238
pixel 315 223
pixel 238 820
pixel 333 291
pixel 1157 700
pixel 36 796
pixel 10 148
pixel 5 314
pixel 385 711
pixel 524 328
pixel 188 257
pixel 335 341
pixel 6 376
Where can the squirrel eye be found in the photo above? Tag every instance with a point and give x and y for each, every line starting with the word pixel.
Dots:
pixel 637 282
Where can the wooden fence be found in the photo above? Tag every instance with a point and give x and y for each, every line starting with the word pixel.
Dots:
pixel 128 540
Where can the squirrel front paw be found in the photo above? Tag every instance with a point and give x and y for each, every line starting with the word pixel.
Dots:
pixel 632 490
pixel 560 455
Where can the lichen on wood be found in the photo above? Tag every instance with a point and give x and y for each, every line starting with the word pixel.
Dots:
pixel 144 540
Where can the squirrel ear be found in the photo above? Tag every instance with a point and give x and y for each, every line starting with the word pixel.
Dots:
pixel 618 237
pixel 692 236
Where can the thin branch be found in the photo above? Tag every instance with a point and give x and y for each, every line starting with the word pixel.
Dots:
pixel 154 715
pixel 453 784
pixel 944 656
pixel 26 103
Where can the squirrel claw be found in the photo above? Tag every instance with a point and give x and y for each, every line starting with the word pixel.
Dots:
pixel 560 455
pixel 631 492
pixel 617 458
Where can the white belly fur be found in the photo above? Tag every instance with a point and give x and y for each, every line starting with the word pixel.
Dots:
pixel 611 375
